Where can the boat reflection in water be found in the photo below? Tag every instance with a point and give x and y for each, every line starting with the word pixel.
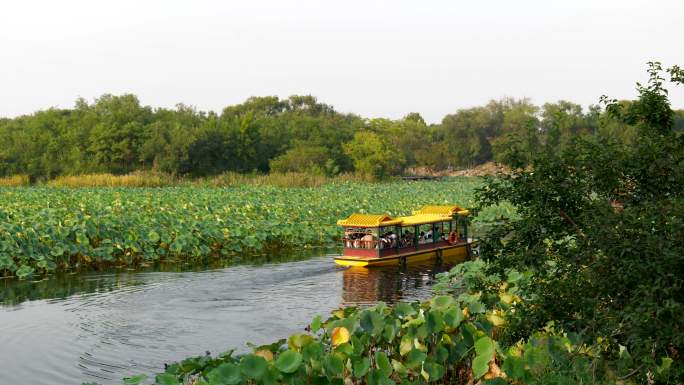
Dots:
pixel 363 286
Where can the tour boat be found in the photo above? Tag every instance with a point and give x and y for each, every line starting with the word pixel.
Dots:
pixel 433 232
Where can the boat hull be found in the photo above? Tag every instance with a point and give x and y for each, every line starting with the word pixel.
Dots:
pixel 461 251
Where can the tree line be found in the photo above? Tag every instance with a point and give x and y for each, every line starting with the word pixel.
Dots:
pixel 118 135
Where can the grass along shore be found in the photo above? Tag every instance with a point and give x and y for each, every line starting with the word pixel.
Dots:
pixel 279 179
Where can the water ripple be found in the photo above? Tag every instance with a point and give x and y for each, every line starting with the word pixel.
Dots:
pixel 127 323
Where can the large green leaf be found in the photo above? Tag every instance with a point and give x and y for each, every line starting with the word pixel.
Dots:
pixel 253 366
pixel 288 361
pixel 334 365
pixel 299 340
pixel 360 367
pixel 434 370
pixel 480 365
pixel 383 364
pixel 225 373
pixel 442 301
pixel 415 358
pixel 485 346
pixel 372 322
pixel 166 379
pixel 453 317
pixel 434 321
pixel 312 351
pixel 316 323
pixel 403 309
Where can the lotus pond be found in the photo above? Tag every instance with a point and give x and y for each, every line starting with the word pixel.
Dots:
pixel 60 229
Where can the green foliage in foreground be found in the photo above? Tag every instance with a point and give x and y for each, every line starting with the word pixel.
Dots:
pixel 601 230
pixel 450 339
pixel 49 229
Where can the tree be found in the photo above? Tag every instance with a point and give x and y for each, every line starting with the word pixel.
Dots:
pixel 520 134
pixel 561 122
pixel 465 134
pixel 305 157
pixel 373 156
pixel 409 135
pixel 116 139
pixel 600 230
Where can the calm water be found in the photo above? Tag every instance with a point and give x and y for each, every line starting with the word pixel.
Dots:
pixel 102 327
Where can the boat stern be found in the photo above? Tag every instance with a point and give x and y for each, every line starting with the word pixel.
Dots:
pixel 351 261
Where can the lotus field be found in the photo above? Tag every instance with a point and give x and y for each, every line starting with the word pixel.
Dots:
pixel 54 229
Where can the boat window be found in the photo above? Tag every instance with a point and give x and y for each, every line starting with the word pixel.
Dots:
pixel 360 238
pixel 388 238
pixel 441 231
pixel 407 237
pixel 425 234
pixel 454 228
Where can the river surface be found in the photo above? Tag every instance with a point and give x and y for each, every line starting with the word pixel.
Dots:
pixel 101 327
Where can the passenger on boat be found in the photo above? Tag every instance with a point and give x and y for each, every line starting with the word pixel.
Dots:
pixel 393 239
pixel 407 239
pixel 390 240
pixel 385 240
pixel 367 240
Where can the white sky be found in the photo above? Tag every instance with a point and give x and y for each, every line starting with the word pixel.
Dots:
pixel 373 58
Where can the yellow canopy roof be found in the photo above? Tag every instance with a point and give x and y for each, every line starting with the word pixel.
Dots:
pixel 420 219
pixel 440 210
pixel 368 220
pixel 427 214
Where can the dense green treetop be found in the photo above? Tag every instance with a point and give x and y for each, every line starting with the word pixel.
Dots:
pixel 117 134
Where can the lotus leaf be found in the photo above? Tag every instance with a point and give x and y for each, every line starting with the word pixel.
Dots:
pixel 288 361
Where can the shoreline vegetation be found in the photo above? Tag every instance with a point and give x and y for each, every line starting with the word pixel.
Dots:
pixel 158 179
pixel 279 179
pixel 52 229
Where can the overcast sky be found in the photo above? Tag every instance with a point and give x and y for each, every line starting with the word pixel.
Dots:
pixel 373 58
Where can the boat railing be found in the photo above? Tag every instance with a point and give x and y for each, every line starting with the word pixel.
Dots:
pixel 403 244
pixel 374 244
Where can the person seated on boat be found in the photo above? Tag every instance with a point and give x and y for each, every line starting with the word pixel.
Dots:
pixel 393 239
pixel 386 241
pixel 421 238
pixel 407 239
pixel 357 241
pixel 367 240
pixel 406 242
